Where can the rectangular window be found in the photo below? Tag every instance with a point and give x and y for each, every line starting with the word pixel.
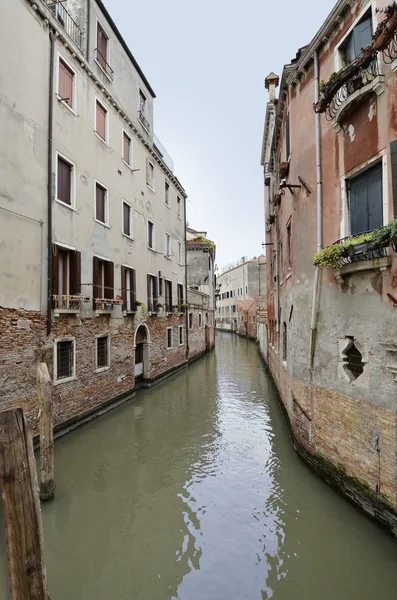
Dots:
pixel 167 249
pixel 66 277
pixel 178 206
pixel 150 173
pixel 64 360
pixel 180 294
pixel 169 338
pixel 366 200
pixel 289 249
pixel 287 138
pixel 101 203
pixel 284 349
pixel 190 320
pixel 127 147
pixel 102 352
pixel 65 181
pixel 150 234
pixel 102 47
pixel 101 120
pixel 127 219
pixel 359 38
pixel 103 282
pixel 168 295
pixel 65 83
pixel 142 111
pixel 128 288
pixel 200 320
pixel 160 286
pixel 180 335
pixel 167 193
pixel 246 289
pixel 179 253
pixel 152 293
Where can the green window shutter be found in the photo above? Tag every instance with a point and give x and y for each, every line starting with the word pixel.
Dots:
pixel 393 155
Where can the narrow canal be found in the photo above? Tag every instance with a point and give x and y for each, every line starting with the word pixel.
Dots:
pixel 193 491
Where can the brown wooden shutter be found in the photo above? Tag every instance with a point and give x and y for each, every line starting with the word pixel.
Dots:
pixel 100 203
pixel 126 148
pixel 124 286
pixel 101 120
pixel 75 273
pixel 64 181
pixel 148 172
pixel 133 289
pixel 109 280
pixel 126 219
pixel 95 279
pixel 65 87
pixel 102 45
pixel 55 272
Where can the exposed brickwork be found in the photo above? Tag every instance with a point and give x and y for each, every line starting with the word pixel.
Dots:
pixel 247 315
pixel 161 358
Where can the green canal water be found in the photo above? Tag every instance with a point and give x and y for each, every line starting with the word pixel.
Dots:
pixel 192 491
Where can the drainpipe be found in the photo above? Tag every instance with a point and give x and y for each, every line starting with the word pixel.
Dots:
pixel 49 181
pixel 187 310
pixel 313 325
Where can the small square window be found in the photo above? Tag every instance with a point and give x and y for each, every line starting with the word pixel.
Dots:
pixel 167 193
pixel 64 360
pixel 127 219
pixel 150 234
pixel 102 352
pixel 180 335
pixel 169 337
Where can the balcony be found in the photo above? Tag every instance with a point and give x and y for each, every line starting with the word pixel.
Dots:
pixel 67 22
pixel 105 306
pixel 101 61
pixel 65 304
pixel 162 152
pixel 143 120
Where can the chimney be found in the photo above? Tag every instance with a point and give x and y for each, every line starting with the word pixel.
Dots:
pixel 271 82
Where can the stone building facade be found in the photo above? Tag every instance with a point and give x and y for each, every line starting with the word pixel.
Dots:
pixel 93 275
pixel 248 315
pixel 330 340
pixel 245 280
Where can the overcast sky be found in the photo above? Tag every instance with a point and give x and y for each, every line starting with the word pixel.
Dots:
pixel 207 62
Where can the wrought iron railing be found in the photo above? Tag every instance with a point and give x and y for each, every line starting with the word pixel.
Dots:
pixel 68 23
pixel 143 120
pixel 101 60
pixel 106 304
pixel 360 251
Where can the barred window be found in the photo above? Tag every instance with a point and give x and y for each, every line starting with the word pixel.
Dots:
pixel 102 352
pixel 64 359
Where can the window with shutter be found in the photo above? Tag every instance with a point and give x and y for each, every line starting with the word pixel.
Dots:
pixel 126 148
pixel 65 83
pixel 100 204
pixel 178 206
pixel 366 200
pixel 393 157
pixel 167 193
pixel 150 241
pixel 102 47
pixel 359 38
pixel 127 213
pixel 100 120
pixel 64 181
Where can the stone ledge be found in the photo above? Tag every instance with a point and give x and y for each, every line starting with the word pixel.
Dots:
pixel 373 264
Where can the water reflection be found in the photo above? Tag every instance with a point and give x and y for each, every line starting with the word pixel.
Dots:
pixel 193 491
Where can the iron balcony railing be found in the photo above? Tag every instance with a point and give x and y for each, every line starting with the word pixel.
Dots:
pixel 143 120
pixel 68 23
pixel 101 60
pixel 366 250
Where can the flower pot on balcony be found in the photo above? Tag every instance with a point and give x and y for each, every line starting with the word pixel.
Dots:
pixel 385 32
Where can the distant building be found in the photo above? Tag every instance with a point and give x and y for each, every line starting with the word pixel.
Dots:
pixel 200 259
pixel 242 281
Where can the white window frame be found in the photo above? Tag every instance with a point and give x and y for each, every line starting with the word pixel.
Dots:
pixel 107 202
pixel 167 237
pixel 131 236
pixel 178 207
pixel 337 49
pixel 167 194
pixel 180 329
pixel 74 96
pixel 131 157
pixel 105 141
pixel 169 347
pixel 107 57
pixel 72 377
pixel 72 204
pixel 107 367
pixel 200 320
pixel 179 253
pixel 152 185
pixel 154 235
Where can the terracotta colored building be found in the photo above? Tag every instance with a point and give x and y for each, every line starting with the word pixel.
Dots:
pixel 330 163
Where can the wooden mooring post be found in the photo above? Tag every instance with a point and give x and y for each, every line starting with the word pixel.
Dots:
pixel 44 391
pixel 23 526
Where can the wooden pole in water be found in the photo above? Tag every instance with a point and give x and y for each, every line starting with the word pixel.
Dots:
pixel 24 531
pixel 44 390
